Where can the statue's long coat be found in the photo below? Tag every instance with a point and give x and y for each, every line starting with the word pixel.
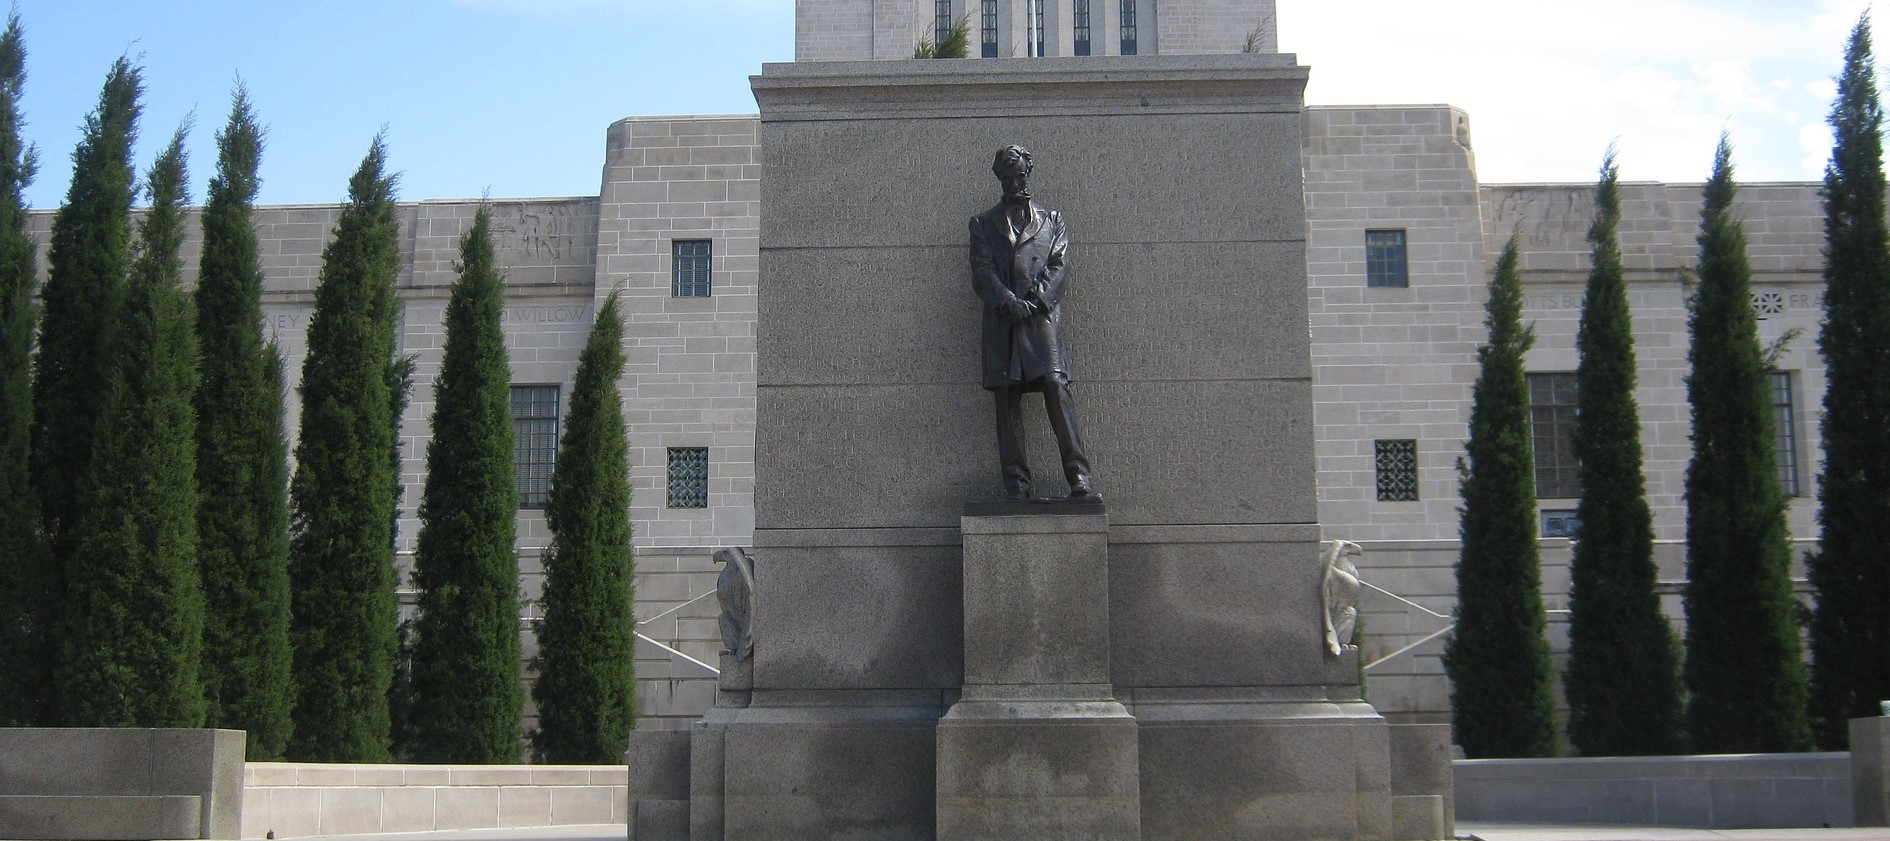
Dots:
pixel 1032 264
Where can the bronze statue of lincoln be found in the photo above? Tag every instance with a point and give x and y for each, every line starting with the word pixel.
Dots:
pixel 1020 269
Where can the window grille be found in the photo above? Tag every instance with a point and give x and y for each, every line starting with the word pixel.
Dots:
pixel 1079 15
pixel 987 29
pixel 1552 432
pixel 942 21
pixel 1128 27
pixel 688 477
pixel 1385 263
pixel 534 442
pixel 1397 470
pixel 1033 35
pixel 690 269
pixel 1785 432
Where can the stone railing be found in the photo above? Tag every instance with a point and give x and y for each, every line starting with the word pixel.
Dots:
pixel 1767 790
pixel 302 799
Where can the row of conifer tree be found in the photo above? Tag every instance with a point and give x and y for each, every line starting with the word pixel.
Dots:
pixel 159 565
pixel 1739 682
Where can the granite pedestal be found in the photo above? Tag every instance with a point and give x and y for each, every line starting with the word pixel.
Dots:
pixel 1037 746
pixel 890 696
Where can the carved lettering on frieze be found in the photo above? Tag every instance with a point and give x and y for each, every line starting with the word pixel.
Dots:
pixel 278 324
pixel 563 314
pixel 1548 216
pixel 1553 301
pixel 534 230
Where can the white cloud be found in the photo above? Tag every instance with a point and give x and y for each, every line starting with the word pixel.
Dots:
pixel 1549 84
pixel 1815 141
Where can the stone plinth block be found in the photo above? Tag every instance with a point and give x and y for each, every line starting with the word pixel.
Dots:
pixel 659 785
pixel 1422 789
pixel 849 609
pixel 139 780
pixel 1870 770
pixel 1219 765
pixel 100 817
pixel 1038 770
pixel 1037 602
pixel 800 768
pixel 1227 606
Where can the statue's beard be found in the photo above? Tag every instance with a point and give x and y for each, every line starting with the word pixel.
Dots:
pixel 1020 197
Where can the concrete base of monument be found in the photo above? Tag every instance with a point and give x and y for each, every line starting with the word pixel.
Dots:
pixel 799 765
pixel 1215 764
pixel 1167 764
pixel 1038 769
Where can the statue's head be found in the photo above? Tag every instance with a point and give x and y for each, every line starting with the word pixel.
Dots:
pixel 1012 168
pixel 1011 159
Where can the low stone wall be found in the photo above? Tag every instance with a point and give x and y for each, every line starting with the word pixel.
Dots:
pixel 303 799
pixel 1717 792
pixel 119 782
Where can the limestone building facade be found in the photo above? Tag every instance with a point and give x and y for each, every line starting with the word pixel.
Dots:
pixel 1401 240
pixel 868 30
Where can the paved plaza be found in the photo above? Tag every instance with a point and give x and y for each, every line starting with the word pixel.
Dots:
pixel 1483 831
pixel 1553 832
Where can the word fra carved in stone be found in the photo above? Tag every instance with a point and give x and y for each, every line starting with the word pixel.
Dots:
pixel 735 590
pixel 1339 589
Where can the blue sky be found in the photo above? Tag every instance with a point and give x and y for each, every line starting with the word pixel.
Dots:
pixel 512 97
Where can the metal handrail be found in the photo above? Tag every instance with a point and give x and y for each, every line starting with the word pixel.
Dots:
pixel 672 649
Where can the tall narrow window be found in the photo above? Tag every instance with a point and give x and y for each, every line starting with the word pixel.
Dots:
pixel 1033 13
pixel 689 273
pixel 1079 15
pixel 987 29
pixel 1128 27
pixel 534 442
pixel 1396 463
pixel 688 477
pixel 1785 432
pixel 1552 431
pixel 1385 263
pixel 942 23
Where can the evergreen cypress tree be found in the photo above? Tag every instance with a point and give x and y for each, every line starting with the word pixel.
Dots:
pixel 1502 678
pixel 133 630
pixel 400 692
pixel 586 689
pixel 1745 666
pixel 341 565
pixel 89 258
pixel 1623 680
pixel 241 461
pixel 466 693
pixel 1850 571
pixel 22 555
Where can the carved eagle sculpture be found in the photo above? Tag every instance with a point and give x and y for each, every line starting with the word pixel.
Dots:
pixel 735 590
pixel 1340 592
